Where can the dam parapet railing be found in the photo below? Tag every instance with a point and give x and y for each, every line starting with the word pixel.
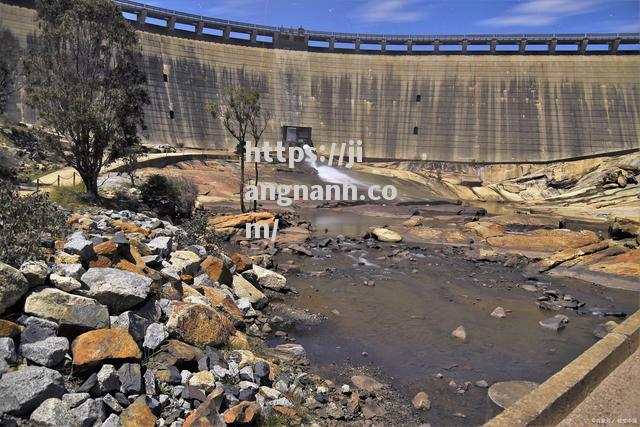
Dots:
pixel 183 24
pixel 325 41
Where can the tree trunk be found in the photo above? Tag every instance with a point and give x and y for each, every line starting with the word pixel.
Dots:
pixel 90 181
pixel 255 202
pixel 242 207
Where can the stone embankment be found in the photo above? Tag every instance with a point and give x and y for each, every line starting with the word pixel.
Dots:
pixel 123 327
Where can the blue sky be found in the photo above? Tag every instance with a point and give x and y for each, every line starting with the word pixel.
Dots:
pixel 426 16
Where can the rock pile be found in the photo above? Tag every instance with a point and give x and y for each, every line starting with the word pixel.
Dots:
pixel 123 327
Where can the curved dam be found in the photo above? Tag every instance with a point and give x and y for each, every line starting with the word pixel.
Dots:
pixel 509 107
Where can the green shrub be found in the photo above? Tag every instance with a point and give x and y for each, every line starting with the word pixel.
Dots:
pixel 27 225
pixel 70 197
pixel 197 232
pixel 174 197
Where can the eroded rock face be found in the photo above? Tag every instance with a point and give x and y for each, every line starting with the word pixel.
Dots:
pixel 545 241
pixel 485 229
pixel 13 286
pixel 199 324
pixel 119 290
pixel 237 221
pixel 67 309
pixel 104 344
pixel 25 389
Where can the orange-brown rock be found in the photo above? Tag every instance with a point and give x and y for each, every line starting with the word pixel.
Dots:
pixel 9 329
pixel 219 299
pixel 239 341
pixel 108 248
pixel 242 413
pixel 73 218
pixel 189 291
pixel 285 410
pixel 216 270
pixel 207 414
pixel 104 344
pixel 437 235
pixel 125 265
pixel 199 324
pixel 625 264
pixel 187 278
pixel 522 222
pixel 238 221
pixel 127 227
pixel 544 241
pixel 242 262
pixel 175 352
pixel 137 414
pixel 100 262
pixel 485 229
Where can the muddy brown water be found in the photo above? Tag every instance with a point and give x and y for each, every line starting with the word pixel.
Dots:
pixel 404 321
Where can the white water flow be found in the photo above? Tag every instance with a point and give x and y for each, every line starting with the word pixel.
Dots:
pixel 328 173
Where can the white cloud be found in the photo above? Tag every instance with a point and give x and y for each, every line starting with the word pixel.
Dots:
pixel 534 13
pixel 395 11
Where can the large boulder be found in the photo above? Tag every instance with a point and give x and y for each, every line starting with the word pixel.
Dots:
pixel 35 272
pixel 49 352
pixel 53 412
pixel 199 324
pixel 185 262
pixel 119 290
pixel 216 270
pixel 244 289
pixel 219 299
pixel 25 389
pixel 102 345
pixel 67 309
pixel 138 414
pixel 386 235
pixel 269 279
pixel 13 286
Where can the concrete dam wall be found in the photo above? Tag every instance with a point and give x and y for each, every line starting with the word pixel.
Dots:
pixel 506 108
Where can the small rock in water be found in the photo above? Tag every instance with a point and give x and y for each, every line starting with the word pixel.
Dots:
pixel 482 384
pixel 421 401
pixel 604 328
pixel 499 313
pixel 555 323
pixel 364 354
pixel 345 389
pixel 460 333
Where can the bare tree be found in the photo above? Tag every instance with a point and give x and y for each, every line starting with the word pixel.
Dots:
pixel 258 121
pixel 83 77
pixel 238 106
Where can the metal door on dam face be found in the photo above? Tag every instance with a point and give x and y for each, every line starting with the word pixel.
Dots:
pixel 296 135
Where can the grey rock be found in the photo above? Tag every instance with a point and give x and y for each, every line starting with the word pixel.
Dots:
pixel 603 329
pixel 246 373
pixel 8 350
pixel 67 309
pixel 282 401
pixel 244 289
pixel 554 323
pixel 49 352
pixel 130 376
pixel 35 272
pixel 185 262
pixel 118 289
pixel 37 329
pixel 482 384
pixel 112 421
pixel 269 279
pixel 160 246
pixel 80 246
pixel 89 412
pixel 53 412
pixel 155 335
pixel 136 325
pixel 4 367
pixel 108 379
pixel 65 283
pixel 71 400
pixel 13 286
pixel 75 271
pixel 112 403
pixel 202 280
pixel 25 389
pixel 149 383
pixel 261 369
